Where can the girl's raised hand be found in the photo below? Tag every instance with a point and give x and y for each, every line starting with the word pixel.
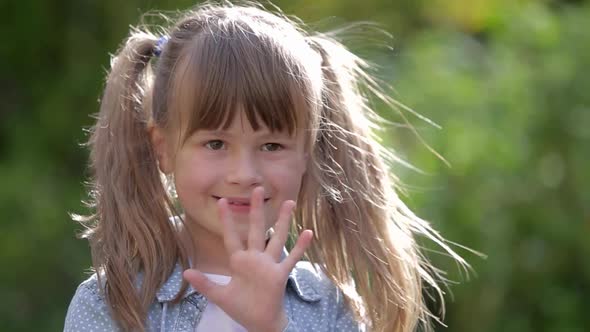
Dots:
pixel 254 296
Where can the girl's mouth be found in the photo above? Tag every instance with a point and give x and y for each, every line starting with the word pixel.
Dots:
pixel 238 201
pixel 239 205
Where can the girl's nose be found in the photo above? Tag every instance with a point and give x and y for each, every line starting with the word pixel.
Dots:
pixel 243 170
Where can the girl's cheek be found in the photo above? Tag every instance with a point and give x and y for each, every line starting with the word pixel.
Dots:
pixel 200 163
pixel 288 167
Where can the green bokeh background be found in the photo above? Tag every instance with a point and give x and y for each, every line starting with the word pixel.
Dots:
pixel 507 81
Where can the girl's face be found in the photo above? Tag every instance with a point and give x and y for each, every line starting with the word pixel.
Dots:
pixel 231 163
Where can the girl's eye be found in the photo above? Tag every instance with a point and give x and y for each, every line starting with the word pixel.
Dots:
pixel 270 147
pixel 214 145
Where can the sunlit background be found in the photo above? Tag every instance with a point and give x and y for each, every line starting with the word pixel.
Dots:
pixel 507 83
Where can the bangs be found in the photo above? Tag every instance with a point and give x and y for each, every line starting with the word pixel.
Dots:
pixel 221 74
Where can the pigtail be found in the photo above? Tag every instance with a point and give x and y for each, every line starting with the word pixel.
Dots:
pixel 129 230
pixel 365 231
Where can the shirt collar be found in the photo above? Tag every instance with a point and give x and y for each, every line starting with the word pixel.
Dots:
pixel 301 283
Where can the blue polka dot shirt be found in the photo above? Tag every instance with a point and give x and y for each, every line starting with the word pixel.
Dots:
pixel 312 303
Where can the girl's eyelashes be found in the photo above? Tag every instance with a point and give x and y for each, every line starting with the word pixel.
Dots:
pixel 215 144
pixel 271 147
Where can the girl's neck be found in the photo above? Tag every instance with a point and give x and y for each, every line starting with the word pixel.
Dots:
pixel 209 254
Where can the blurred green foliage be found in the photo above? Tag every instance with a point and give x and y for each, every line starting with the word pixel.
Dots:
pixel 506 80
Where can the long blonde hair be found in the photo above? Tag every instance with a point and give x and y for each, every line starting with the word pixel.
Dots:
pixel 291 80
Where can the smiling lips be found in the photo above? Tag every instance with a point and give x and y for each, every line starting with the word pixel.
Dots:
pixel 239 205
pixel 238 201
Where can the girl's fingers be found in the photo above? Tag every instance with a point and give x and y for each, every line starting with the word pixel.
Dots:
pixel 281 228
pixel 256 232
pixel 296 254
pixel 230 236
pixel 201 283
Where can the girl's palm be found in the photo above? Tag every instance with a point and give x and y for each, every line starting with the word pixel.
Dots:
pixel 254 296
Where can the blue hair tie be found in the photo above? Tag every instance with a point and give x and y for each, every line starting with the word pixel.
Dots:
pixel 160 44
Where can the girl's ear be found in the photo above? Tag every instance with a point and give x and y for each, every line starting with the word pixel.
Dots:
pixel 161 148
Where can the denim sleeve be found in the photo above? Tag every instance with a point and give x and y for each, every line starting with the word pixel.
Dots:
pixel 88 311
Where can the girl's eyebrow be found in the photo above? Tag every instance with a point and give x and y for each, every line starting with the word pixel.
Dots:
pixel 268 134
pixel 260 133
pixel 214 132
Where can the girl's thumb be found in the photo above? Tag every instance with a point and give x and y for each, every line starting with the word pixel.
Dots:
pixel 202 284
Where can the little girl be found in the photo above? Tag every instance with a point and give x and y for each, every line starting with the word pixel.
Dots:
pixel 209 140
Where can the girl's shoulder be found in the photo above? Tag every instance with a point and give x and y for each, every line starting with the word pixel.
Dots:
pixel 319 304
pixel 91 288
pixel 309 282
pixel 88 311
